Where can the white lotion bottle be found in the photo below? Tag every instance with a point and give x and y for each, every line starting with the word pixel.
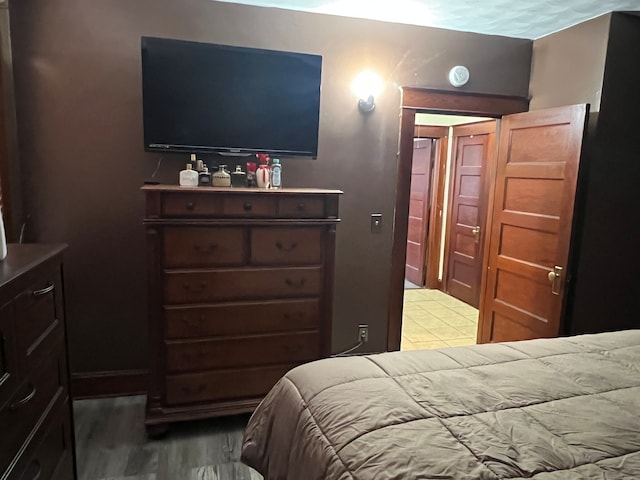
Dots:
pixel 276 173
pixel 3 238
pixel 188 177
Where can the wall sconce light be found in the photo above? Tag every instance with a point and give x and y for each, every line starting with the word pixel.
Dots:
pixel 367 85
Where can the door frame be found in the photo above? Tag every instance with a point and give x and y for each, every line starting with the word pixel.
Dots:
pixel 414 100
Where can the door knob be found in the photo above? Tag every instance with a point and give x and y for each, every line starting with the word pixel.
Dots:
pixel 555 277
pixel 476 233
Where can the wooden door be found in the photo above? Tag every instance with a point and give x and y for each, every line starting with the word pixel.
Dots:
pixel 418 210
pixel 532 214
pixel 474 149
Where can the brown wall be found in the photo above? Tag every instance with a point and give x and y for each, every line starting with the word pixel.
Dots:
pixel 568 66
pixel 607 289
pixel 77 67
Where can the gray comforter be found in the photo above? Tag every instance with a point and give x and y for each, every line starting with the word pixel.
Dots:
pixel 566 408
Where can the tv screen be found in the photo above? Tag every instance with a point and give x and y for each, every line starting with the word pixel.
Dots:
pixel 200 97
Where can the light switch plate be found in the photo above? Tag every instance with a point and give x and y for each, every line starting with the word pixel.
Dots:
pixel 376 222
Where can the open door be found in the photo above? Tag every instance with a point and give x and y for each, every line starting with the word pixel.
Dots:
pixel 531 221
pixel 474 150
pixel 419 210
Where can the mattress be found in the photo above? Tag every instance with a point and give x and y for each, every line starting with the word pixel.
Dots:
pixel 550 409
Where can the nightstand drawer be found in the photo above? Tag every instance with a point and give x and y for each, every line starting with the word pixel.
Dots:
pixel 21 413
pixel 203 247
pixel 230 352
pixel 248 206
pixel 301 206
pixel 227 285
pixel 52 454
pixel 190 205
pixel 241 318
pixel 286 246
pixel 8 357
pixel 48 455
pixel 223 384
pixel 36 312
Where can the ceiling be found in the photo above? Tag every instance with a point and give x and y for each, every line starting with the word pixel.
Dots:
pixel 512 18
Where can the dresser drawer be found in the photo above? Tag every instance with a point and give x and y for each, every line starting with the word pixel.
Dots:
pixel 183 356
pixel 223 384
pixel 190 204
pixel 51 458
pixel 8 356
pixel 203 247
pixel 36 311
pixel 247 206
pixel 48 456
pixel 21 413
pixel 228 285
pixel 286 246
pixel 241 318
pixel 301 206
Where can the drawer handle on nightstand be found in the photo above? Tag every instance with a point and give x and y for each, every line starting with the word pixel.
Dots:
pixel 24 400
pixel 299 284
pixel 195 289
pixel 247 206
pixel 300 206
pixel 189 391
pixel 43 291
pixel 279 246
pixel 208 249
pixel 193 324
pixel 190 205
pixel 38 466
pixel 294 316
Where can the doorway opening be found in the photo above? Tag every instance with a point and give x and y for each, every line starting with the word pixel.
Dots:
pixel 445 236
pixel 414 101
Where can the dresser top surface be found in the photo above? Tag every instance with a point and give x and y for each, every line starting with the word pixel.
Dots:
pixel 23 257
pixel 241 190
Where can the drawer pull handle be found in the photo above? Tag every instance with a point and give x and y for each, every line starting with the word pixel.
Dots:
pixel 206 249
pixel 189 391
pixel 38 468
pixel 300 206
pixel 247 206
pixel 294 316
pixel 296 284
pixel 283 248
pixel 190 205
pixel 24 400
pixel 195 288
pixel 193 324
pixel 43 291
pixel 190 356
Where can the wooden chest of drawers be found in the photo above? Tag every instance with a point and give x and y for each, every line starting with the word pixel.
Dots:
pixel 240 291
pixel 36 439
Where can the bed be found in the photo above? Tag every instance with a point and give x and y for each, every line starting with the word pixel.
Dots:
pixel 550 409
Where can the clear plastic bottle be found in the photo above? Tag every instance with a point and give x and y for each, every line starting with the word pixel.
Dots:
pixel 276 173
pixel 188 177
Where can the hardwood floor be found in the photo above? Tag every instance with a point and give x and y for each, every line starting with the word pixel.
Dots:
pixel 112 444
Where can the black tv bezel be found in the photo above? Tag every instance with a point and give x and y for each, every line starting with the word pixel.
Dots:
pixel 225 150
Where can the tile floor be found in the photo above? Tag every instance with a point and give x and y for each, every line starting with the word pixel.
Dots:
pixel 433 319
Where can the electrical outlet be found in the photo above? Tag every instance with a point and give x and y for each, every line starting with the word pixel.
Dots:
pixel 363 333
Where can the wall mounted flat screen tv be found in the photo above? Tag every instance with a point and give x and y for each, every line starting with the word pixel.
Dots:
pixel 200 97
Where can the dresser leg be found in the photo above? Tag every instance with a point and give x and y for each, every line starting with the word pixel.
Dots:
pixel 157 430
